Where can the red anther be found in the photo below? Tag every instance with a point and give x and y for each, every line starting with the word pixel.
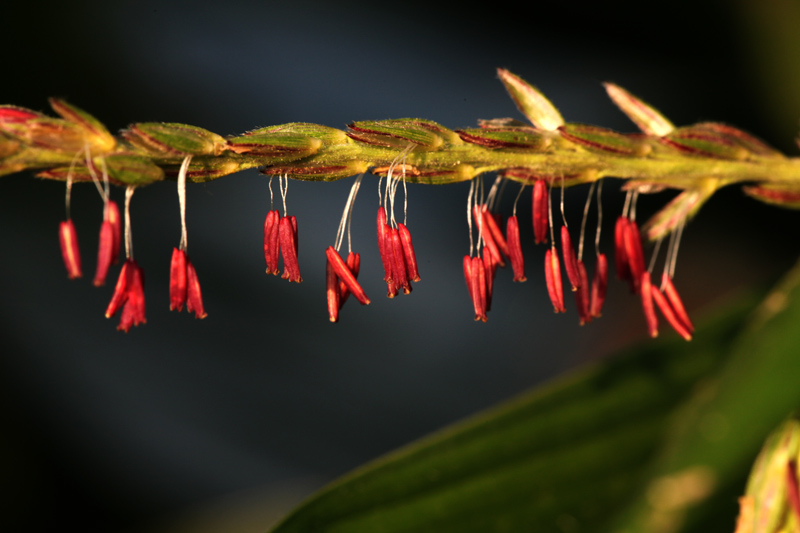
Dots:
pixel 345 274
pixel 675 301
pixel 620 255
pixel 541 222
pixel 552 272
pixel 120 290
pixel 399 270
pixel 479 286
pixel 647 304
pixel 599 284
pixel 408 253
pixel 468 276
pixel 490 268
pixel 385 253
pixel 272 242
pixel 105 249
pixel 582 300
pixel 392 284
pixel 354 264
pixel 69 248
pixel 287 228
pixel 515 249
pixel 793 490
pixel 332 292
pixel 490 223
pixel 194 297
pixel 669 314
pixel 570 259
pixel 177 280
pixel 634 253
pixel 486 234
pixel 133 312
pixel 112 216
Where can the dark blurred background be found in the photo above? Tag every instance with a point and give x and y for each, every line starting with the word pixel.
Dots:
pixel 224 424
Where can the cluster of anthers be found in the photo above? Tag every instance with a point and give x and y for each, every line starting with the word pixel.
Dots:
pixel 546 153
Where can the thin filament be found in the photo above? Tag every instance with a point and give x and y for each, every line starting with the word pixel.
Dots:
pixel 627 205
pixel 469 214
pixel 550 216
pixel 583 222
pixel 128 237
pixel 656 248
pixel 599 217
pixel 516 200
pixel 674 255
pixel 270 193
pixel 283 183
pixel 563 216
pixel 347 214
pixel 182 199
pixel 93 174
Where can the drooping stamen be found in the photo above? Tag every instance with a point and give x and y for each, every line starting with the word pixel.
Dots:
pixel 675 301
pixel 353 262
pixel 332 292
pixel 177 280
pixel 385 258
pixel 582 298
pixel 182 199
pixel 287 228
pixel 555 288
pixel 583 220
pixel 194 297
pixel 490 224
pixel 515 248
pixel 479 286
pixel 105 251
pixel 489 270
pixel 408 253
pixel 486 235
pixel 634 253
pixel 271 242
pixel 68 239
pixel 647 304
pixel 541 208
pixel 570 261
pixel 133 313
pixel 344 273
pixel 399 269
pixel 620 254
pixel 120 290
pixel 668 313
pixel 599 284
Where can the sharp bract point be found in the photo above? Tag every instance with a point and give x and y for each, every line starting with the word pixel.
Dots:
pixel 530 101
pixel 644 116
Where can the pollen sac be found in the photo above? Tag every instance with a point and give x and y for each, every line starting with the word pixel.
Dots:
pixel 570 259
pixel 669 314
pixel 105 251
pixel 598 139
pixel 177 280
pixel 174 139
pixel 515 249
pixel 475 276
pixel 423 134
pixel 409 256
pixel 346 275
pixel 287 236
pixel 541 221
pixel 332 292
pixel 634 254
pixel 68 240
pixel 599 285
pixel 582 296
pixel 490 223
pixel 353 263
pixel 520 138
pixel 271 242
pixel 128 295
pixel 675 301
pixel 194 297
pixel 647 304
pixel 555 287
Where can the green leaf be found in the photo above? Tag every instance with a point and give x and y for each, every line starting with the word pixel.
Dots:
pixel 562 458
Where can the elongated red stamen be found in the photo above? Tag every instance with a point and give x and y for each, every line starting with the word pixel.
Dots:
pixel 479 286
pixel 489 268
pixel 408 253
pixel 194 297
pixel 271 242
pixel 620 255
pixel 133 313
pixel 69 248
pixel 570 259
pixel 120 290
pixel 177 280
pixel 353 262
pixel 486 234
pixel 555 288
pixel 540 219
pixel 490 224
pixel 582 300
pixel 385 254
pixel 634 253
pixel 332 292
pixel 675 301
pixel 105 250
pixel 515 249
pixel 647 304
pixel 346 275
pixel 668 313
pixel 392 284
pixel 599 285
pixel 288 244
pixel 399 270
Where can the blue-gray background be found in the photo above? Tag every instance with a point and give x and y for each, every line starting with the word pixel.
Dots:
pixel 236 416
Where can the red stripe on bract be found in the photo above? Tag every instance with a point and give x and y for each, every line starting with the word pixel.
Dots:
pixel 332 292
pixel 541 221
pixel 552 272
pixel 105 249
pixel 634 253
pixel 112 216
pixel 675 301
pixel 669 314
pixel 271 242
pixel 599 285
pixel 399 270
pixel 177 280
pixel 194 296
pixel 582 296
pixel 408 253
pixel 120 290
pixel 344 274
pixel 515 249
pixel 620 255
pixel 287 229
pixel 647 304
pixel 570 259
pixel 69 248
pixel 490 223
pixel 385 256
